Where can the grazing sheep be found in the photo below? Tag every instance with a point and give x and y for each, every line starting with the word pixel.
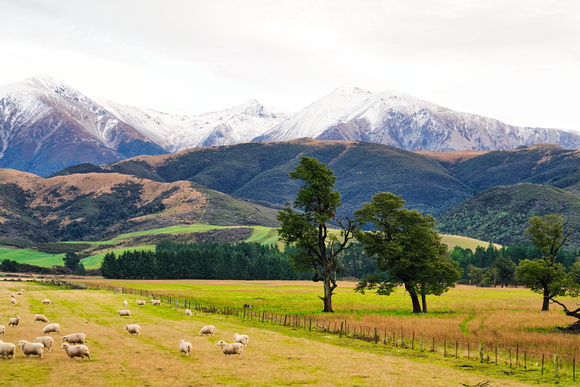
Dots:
pixel 242 339
pixel 124 312
pixel 46 301
pixel 20 293
pixel 231 348
pixel 125 303
pixel 184 347
pixel 188 312
pixel 31 348
pixel 156 302
pixel 207 330
pixel 76 351
pixel 40 317
pixel 22 290
pixel 133 329
pixel 51 328
pixel 7 349
pixel 75 338
pixel 140 302
pixel 13 301
pixel 47 341
pixel 14 321
pixel 11 295
pixel 2 329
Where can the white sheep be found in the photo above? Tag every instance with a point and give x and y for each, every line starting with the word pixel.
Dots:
pixel 133 329
pixel 231 348
pixel 242 339
pixel 45 301
pixel 156 302
pixel 2 329
pixel 51 328
pixel 76 351
pixel 31 348
pixel 7 349
pixel 22 290
pixel 140 302
pixel 47 341
pixel 124 312
pixel 184 347
pixel 13 301
pixel 188 312
pixel 14 321
pixel 75 338
pixel 20 293
pixel 207 330
pixel 11 295
pixel 125 303
pixel 40 317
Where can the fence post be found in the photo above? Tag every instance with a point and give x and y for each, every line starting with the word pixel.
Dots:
pixel 456 345
pixel 517 354
pixel 525 361
pixel 555 364
pixel 574 368
pixel 376 336
pixel 421 348
pixel 542 373
pixel 310 326
pixel 444 347
pixel 341 326
pixel 480 352
pixel 433 347
pixel 413 341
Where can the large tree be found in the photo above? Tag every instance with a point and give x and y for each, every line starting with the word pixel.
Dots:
pixel 407 248
pixel 316 247
pixel 544 275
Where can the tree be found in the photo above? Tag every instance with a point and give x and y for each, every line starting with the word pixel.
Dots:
pixel 407 248
pixel 316 248
pixel 109 266
pixel 544 275
pixel 71 261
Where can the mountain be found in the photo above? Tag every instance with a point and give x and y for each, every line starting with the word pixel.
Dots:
pixel 93 206
pixel 46 125
pixel 397 119
pixel 178 132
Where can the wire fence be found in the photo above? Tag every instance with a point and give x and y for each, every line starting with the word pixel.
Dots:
pixel 514 358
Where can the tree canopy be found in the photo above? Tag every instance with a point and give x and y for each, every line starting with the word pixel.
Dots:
pixel 317 249
pixel 407 248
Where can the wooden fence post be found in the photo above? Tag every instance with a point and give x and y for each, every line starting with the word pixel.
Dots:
pixel 480 352
pixel 542 373
pixel 555 364
pixel 421 343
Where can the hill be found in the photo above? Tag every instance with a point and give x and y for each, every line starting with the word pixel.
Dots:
pixel 500 214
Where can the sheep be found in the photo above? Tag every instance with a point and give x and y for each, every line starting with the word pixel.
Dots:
pixel 231 348
pixel 76 351
pixel 184 347
pixel 46 301
pixel 51 328
pixel 14 321
pixel 133 329
pixel 124 312
pixel 11 295
pixel 140 302
pixel 40 317
pixel 242 339
pixel 156 302
pixel 7 349
pixel 47 341
pixel 188 312
pixel 2 329
pixel 125 303
pixel 207 330
pixel 31 348
pixel 75 338
pixel 22 291
pixel 13 301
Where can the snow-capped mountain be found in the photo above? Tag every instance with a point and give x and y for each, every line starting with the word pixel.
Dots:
pixel 46 125
pixel 396 119
pixel 178 132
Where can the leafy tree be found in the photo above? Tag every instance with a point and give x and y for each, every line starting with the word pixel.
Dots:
pixel 317 249
pixel 506 270
pixel 407 248
pixel 544 275
pixel 71 261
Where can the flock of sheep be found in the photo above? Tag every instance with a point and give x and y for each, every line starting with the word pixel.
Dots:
pixel 79 349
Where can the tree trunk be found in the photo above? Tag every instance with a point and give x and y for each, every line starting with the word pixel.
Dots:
pixel 327 296
pixel 424 302
pixel 546 303
pixel 414 298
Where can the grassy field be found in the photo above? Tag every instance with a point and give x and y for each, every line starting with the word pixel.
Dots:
pixel 275 356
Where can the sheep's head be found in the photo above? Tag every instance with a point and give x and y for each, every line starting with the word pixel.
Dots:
pixel 221 342
pixel 64 345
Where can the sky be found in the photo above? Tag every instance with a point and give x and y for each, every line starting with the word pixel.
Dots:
pixel 514 60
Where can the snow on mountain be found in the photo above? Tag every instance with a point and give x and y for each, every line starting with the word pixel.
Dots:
pixel 319 116
pixel 178 132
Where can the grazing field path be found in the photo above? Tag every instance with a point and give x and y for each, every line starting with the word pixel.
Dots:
pixel 275 356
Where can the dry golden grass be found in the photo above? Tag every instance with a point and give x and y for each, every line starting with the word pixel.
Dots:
pixel 276 356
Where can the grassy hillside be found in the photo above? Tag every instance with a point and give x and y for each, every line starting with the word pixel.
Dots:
pixel 501 214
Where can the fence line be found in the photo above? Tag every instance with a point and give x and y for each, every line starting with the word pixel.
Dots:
pixel 515 358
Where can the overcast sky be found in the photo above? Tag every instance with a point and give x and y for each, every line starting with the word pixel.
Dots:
pixel 517 61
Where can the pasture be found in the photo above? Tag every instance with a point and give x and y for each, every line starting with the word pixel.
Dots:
pixel 276 355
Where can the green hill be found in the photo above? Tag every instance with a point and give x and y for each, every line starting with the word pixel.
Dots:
pixel 500 214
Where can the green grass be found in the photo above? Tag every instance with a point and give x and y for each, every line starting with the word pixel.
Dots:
pixel 32 257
